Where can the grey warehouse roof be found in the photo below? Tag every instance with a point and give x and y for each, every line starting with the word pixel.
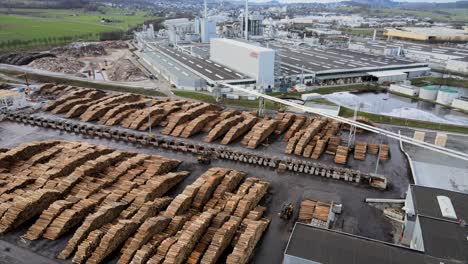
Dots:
pixel 425 202
pixel 333 247
pixel 204 67
pixel 317 60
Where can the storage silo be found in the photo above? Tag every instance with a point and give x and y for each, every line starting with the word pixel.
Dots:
pixel 428 92
pixel 446 96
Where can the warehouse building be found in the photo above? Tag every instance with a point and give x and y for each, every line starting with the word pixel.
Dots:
pixel 441 57
pixel 435 222
pixel 434 229
pixel 429 34
pixel 313 245
pixel 248 59
pixel 461 103
pixel 331 66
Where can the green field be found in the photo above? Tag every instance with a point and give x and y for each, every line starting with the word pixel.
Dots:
pixel 35 27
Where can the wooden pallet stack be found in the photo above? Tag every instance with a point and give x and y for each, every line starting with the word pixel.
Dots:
pixel 384 152
pixel 341 156
pixel 306 211
pixel 333 144
pixel 373 149
pixel 360 149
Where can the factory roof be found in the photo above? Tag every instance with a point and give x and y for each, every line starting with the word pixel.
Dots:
pixel 444 239
pixel 386 73
pixel 203 67
pixel 431 31
pixel 456 53
pixel 427 204
pixel 242 44
pixel 333 247
pixel 154 57
pixel 331 59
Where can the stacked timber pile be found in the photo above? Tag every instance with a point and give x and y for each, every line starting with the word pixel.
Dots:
pixel 319 149
pixel 240 129
pixel 299 122
pixel 308 135
pixel 176 122
pixel 373 149
pixel 314 212
pixel 360 149
pixel 259 133
pixel 103 196
pixel 196 125
pixel 300 144
pixel 341 156
pixel 333 144
pixel 223 127
pixel 222 116
pixel 99 110
pixel 205 219
pixel 286 120
pixel 306 211
pixel 384 152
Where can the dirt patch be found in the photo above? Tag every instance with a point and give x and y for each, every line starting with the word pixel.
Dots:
pixel 85 49
pixel 59 64
pixel 123 70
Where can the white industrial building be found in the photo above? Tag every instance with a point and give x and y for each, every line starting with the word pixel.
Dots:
pixel 404 88
pixel 460 103
pixel 434 222
pixel 446 96
pixel 251 60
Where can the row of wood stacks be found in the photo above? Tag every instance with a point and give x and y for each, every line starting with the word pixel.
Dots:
pixel 115 201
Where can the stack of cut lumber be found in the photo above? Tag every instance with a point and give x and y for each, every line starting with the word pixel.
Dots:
pixel 286 120
pixel 319 149
pixel 373 149
pixel 309 133
pixel 341 154
pixel 360 149
pixel 223 127
pixel 384 152
pixel 299 122
pixel 240 129
pixel 259 133
pixel 333 144
pixel 306 211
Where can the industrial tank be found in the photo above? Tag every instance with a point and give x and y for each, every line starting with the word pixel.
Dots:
pixel 428 92
pixel 446 96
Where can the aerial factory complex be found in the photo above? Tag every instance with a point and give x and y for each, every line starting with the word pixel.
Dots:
pixel 237 133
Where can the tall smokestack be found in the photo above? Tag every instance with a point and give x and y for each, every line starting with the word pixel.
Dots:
pixel 206 10
pixel 246 19
pixel 375 35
